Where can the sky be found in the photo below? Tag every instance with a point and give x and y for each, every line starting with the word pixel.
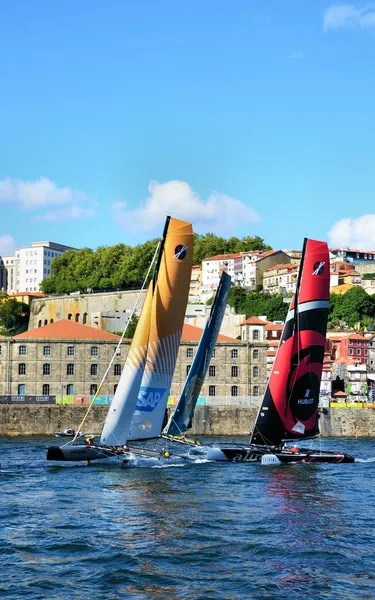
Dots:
pixel 247 117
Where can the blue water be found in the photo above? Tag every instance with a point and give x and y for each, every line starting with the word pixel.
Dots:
pixel 199 532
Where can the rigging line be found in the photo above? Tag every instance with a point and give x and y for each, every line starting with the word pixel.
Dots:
pixel 117 347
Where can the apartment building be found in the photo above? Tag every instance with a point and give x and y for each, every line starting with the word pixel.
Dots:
pixel 280 279
pixel 25 271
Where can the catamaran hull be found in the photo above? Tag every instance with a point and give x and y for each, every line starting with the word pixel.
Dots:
pixel 239 454
pixel 76 452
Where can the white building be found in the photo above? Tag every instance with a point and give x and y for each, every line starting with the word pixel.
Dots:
pixel 213 266
pixel 25 271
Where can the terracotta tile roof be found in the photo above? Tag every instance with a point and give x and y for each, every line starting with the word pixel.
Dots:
pixel 274 342
pixel 222 257
pixel 358 336
pixel 288 266
pixel 268 253
pixel 271 352
pixel 274 326
pixel 36 294
pixel 191 333
pixel 254 321
pixel 196 267
pixel 65 329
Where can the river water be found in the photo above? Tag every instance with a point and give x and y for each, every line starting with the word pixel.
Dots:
pixel 210 531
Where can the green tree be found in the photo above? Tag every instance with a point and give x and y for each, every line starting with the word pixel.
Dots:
pixel 14 316
pixel 237 298
pixel 130 330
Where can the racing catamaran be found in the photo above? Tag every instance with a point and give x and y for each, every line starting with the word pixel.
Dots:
pixel 139 404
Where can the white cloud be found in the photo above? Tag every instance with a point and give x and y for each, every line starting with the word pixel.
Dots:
pixel 219 213
pixel 341 16
pixel 44 193
pixel 296 55
pixel 354 233
pixel 71 213
pixel 7 245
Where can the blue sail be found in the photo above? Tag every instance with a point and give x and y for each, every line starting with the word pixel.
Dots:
pixel 181 419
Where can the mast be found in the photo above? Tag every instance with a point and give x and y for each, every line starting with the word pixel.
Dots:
pixel 290 404
pixel 170 295
pixel 117 424
pixel 182 416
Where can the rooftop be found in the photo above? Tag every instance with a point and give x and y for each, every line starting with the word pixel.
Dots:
pixel 222 257
pixel 65 329
pixel 288 266
pixel 254 321
pixel 191 333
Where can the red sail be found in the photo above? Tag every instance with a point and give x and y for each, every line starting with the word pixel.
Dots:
pixel 290 404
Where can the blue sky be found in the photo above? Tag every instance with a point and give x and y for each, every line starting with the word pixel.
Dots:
pixel 247 117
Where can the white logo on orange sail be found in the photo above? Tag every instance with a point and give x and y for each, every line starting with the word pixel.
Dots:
pixel 180 251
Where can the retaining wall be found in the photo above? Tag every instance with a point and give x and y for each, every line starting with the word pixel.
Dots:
pixel 208 420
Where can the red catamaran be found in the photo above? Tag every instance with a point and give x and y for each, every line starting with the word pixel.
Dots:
pixel 289 410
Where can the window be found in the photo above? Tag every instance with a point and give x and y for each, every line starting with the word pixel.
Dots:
pixel 93 389
pixel 77 318
pixel 46 350
pixel 234 354
pixel 256 390
pixel 350 350
pixel 117 369
pixel 212 390
pixel 45 322
pixel 84 319
pixel 234 371
pixel 234 390
pixel 274 334
pixel 22 389
pixel 46 369
pixel 189 353
pixel 188 367
pixel 115 388
pixel 22 350
pixel 256 334
pixel 255 354
pixel 366 352
pixel 213 353
pixel 70 316
pixel 94 369
pixel 255 371
pixel 70 369
pixel 211 371
pixel 39 323
pixel 70 351
pixel 94 351
pixel 358 351
pixel 45 389
pixel 70 388
pixel 22 369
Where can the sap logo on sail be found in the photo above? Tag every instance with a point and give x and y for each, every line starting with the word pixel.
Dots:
pixel 306 399
pixel 149 398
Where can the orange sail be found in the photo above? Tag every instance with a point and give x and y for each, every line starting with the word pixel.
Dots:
pixel 117 424
pixel 170 295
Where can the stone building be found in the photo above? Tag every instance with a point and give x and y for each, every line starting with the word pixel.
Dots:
pixel 66 358
pixel 103 310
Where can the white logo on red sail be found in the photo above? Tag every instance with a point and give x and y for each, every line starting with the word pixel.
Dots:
pixel 318 268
